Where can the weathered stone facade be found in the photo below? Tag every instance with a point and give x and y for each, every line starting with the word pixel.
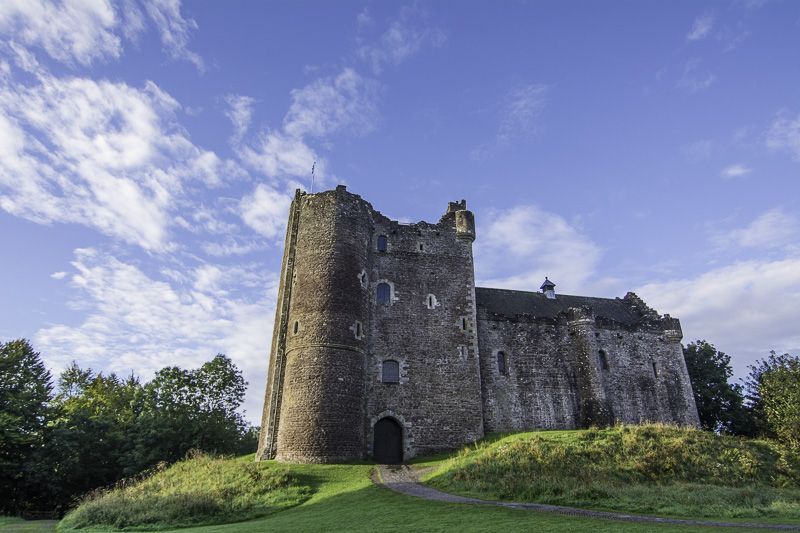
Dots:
pixel 381 321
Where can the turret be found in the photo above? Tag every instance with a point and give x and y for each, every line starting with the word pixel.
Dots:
pixel 319 401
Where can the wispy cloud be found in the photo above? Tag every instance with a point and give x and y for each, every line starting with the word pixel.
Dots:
pixel 784 134
pixel 701 27
pixel 746 308
pixel 520 113
pixel 136 321
pixel 694 81
pixel 735 171
pixel 266 211
pixel 774 229
pixel 76 32
pixel 174 30
pixel 240 112
pixel 404 38
pixel 344 102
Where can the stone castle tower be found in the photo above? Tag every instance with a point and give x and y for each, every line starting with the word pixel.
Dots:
pixel 383 347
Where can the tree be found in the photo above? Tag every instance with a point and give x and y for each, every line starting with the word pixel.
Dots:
pixel 25 392
pixel 773 393
pixel 191 409
pixel 719 403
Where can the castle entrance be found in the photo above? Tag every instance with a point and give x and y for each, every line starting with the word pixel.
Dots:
pixel 388 443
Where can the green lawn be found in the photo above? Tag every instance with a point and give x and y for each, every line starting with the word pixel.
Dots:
pixel 239 495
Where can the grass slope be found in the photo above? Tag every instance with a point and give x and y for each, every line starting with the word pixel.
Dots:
pixel 247 496
pixel 198 490
pixel 648 469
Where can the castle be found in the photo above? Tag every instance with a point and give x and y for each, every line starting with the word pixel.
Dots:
pixel 383 348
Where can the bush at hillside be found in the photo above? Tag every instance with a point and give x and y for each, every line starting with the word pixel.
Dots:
pixel 648 469
pixel 198 490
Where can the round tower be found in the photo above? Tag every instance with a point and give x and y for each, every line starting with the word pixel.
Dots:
pixel 322 405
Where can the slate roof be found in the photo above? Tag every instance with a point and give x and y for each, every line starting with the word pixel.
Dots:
pixel 510 303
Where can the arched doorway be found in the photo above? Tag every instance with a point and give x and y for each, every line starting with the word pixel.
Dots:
pixel 388 443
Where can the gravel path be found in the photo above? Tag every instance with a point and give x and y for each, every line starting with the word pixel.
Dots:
pixel 402 479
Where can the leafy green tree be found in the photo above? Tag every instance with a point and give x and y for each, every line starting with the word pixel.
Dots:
pixel 773 392
pixel 719 402
pixel 90 436
pixel 190 409
pixel 25 393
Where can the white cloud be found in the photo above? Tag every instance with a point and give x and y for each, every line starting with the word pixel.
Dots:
pixel 518 247
pixel 520 112
pixel 82 32
pixel 97 153
pixel 773 229
pixel 406 36
pixel 69 31
pixel 326 106
pixel 58 275
pixel 139 323
pixel 240 113
pixel 266 211
pixel 701 27
pixel 784 134
pixel 174 29
pixel 735 171
pixel 745 309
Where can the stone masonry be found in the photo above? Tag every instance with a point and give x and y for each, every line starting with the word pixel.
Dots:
pixel 380 321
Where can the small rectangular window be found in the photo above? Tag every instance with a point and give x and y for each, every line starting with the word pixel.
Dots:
pixel 383 293
pixel 390 372
pixel 382 243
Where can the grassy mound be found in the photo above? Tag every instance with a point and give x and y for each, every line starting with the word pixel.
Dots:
pixel 641 469
pixel 198 490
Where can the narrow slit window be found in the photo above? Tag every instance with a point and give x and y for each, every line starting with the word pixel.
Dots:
pixel 430 301
pixel 390 371
pixel 296 327
pixel 603 359
pixel 421 247
pixel 358 329
pixel 464 324
pixel 382 243
pixel 383 293
pixel 655 369
pixel 501 363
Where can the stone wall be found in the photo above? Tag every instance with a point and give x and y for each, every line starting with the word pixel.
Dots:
pixel 429 328
pixel 556 377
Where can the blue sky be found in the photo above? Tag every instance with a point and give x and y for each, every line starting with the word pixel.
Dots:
pixel 149 148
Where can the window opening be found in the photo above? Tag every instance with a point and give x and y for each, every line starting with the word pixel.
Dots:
pixel 384 293
pixel 603 359
pixel 296 327
pixel 382 242
pixel 655 369
pixel 358 329
pixel 390 371
pixel 464 324
pixel 421 247
pixel 501 363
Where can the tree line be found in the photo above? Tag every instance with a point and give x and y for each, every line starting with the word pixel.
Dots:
pixel 62 439
pixel 765 404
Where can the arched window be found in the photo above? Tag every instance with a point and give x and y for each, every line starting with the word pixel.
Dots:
pixel 384 293
pixel 382 242
pixel 390 371
pixel 501 363
pixel 603 359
